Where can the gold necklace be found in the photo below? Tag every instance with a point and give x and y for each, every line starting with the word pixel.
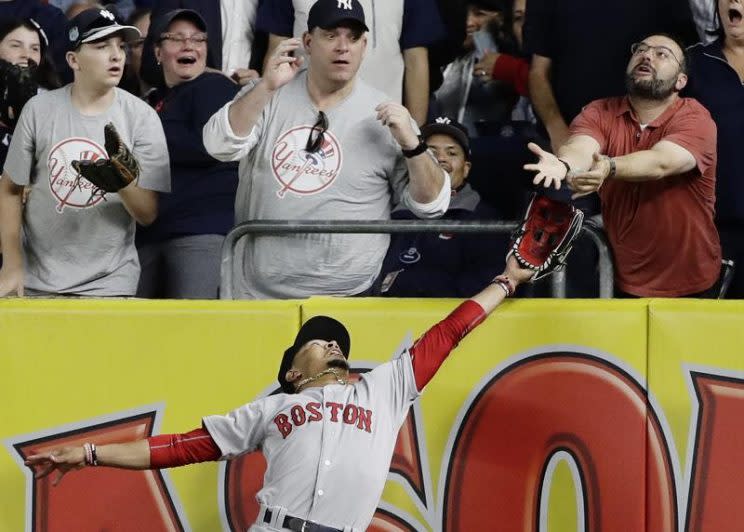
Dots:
pixel 314 378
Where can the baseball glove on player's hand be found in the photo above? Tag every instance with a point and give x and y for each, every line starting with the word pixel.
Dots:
pixel 18 86
pixel 547 233
pixel 114 173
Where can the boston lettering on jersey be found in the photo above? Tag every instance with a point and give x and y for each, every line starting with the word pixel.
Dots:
pixel 348 414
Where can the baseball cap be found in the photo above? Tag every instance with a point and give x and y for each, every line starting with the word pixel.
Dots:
pixel 95 24
pixel 317 327
pixel 446 126
pixel 329 14
pixel 160 25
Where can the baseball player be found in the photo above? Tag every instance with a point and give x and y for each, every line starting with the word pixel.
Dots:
pixel 328 442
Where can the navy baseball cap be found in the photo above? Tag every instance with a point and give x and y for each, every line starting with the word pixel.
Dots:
pixel 160 25
pixel 316 328
pixel 95 24
pixel 328 14
pixel 446 126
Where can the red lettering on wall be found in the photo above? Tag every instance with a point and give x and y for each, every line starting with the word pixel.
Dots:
pixel 101 498
pixel 568 402
pixel 717 482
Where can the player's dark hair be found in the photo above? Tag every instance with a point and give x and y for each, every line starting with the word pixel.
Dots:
pixel 45 74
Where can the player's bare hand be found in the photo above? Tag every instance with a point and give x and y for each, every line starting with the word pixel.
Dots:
pixel 586 182
pixel 549 170
pixel 484 67
pixel 398 119
pixel 515 272
pixel 61 461
pixel 11 281
pixel 242 76
pixel 282 66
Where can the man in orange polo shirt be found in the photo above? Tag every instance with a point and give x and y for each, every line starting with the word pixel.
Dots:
pixel 651 156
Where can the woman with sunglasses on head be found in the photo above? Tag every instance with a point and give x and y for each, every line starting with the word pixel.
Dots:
pixel 180 252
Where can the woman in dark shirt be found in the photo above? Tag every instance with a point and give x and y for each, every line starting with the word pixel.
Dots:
pixel 180 252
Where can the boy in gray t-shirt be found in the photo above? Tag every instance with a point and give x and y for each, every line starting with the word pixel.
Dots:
pixel 76 242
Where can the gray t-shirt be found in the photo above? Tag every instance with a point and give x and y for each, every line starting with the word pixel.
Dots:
pixel 74 242
pixel 358 174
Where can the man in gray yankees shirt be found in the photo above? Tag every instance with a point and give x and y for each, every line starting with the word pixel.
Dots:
pixel 76 242
pixel 319 143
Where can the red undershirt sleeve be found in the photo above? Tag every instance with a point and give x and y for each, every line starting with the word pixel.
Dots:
pixel 430 351
pixel 172 450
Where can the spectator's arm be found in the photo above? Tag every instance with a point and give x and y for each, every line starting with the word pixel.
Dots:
pixel 11 274
pixel 274 41
pixel 544 102
pixel 276 19
pixel 664 159
pixel 140 203
pixel 416 83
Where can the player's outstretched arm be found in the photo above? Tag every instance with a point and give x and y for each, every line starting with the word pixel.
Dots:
pixel 132 455
pixel 491 296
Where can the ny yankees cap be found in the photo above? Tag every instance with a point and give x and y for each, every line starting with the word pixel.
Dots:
pixel 160 25
pixel 95 24
pixel 316 328
pixel 446 126
pixel 329 14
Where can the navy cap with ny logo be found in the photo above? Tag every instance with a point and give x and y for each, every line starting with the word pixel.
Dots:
pixel 329 14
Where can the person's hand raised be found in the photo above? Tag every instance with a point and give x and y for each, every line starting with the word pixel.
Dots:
pixel 282 66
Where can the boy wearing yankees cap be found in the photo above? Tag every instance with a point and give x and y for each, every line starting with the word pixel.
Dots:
pixel 78 241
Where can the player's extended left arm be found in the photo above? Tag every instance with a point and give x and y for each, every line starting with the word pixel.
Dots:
pixel 140 203
pixel 431 350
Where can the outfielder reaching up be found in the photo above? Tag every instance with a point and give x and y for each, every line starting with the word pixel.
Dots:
pixel 328 442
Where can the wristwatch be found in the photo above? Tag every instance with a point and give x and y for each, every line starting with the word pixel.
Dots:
pixel 418 150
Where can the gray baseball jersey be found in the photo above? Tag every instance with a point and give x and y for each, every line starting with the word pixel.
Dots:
pixel 328 448
pixel 75 243
pixel 358 173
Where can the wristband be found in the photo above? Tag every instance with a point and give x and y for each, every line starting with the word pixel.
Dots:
pixel 418 150
pixel 505 283
pixel 613 168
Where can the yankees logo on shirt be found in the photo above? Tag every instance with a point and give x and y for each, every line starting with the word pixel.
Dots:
pixel 68 188
pixel 300 171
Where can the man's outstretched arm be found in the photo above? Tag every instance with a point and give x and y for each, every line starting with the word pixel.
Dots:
pixel 156 452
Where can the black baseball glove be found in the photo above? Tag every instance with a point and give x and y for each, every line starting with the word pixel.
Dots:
pixel 18 85
pixel 114 173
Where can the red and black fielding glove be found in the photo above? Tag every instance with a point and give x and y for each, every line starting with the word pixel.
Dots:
pixel 546 235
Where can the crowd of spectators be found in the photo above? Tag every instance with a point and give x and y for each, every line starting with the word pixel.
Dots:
pixel 243 110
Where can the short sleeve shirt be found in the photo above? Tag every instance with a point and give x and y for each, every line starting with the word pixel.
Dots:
pixel 661 232
pixel 76 242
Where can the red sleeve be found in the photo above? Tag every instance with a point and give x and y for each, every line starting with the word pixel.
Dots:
pixel 430 351
pixel 512 70
pixel 172 450
pixel 693 129
pixel 594 120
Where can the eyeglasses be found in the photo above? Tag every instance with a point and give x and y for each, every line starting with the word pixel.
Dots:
pixel 196 39
pixel 320 127
pixel 659 52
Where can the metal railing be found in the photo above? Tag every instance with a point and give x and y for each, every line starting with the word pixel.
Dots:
pixel 280 227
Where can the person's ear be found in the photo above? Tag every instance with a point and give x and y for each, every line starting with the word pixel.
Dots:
pixel 293 375
pixel 681 81
pixel 307 37
pixel 72 61
pixel 466 170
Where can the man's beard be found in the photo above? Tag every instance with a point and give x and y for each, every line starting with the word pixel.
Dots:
pixel 653 89
pixel 339 363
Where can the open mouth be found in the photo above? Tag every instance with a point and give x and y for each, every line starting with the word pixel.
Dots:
pixel 188 60
pixel 115 70
pixel 340 62
pixel 734 16
pixel 643 69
